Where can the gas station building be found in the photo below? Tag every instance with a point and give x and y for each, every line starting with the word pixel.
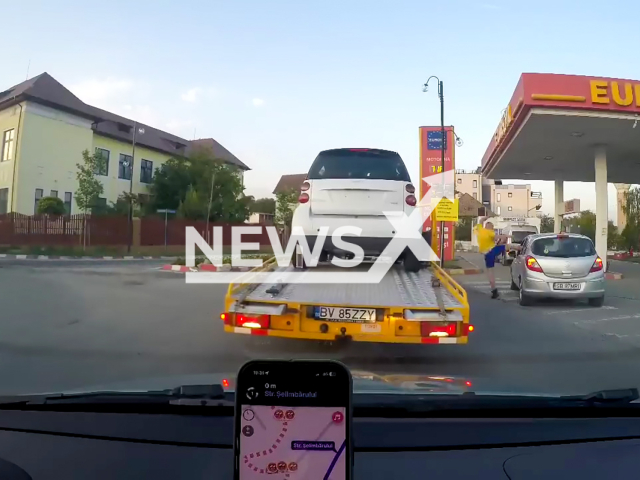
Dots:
pixel 570 128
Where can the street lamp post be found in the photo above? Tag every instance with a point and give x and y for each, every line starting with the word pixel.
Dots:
pixel 130 166
pixel 442 147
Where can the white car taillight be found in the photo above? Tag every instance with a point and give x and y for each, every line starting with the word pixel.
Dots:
pixel 597 265
pixel 532 264
pixel 303 198
pixel 411 200
pixel 305 186
pixel 410 188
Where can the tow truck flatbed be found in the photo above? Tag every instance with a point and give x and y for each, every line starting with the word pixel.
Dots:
pixel 427 306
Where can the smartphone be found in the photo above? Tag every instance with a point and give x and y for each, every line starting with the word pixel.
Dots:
pixel 293 420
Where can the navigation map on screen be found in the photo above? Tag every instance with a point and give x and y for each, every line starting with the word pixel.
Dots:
pixel 292 443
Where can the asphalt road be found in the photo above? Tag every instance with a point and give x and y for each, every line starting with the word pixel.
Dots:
pixel 73 324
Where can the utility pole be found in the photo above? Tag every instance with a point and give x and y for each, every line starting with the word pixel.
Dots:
pixel 213 177
pixel 443 140
pixel 133 155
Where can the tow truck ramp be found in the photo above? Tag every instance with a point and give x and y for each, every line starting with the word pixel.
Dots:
pixel 426 307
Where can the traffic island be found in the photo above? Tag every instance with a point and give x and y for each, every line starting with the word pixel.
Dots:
pixel 613 276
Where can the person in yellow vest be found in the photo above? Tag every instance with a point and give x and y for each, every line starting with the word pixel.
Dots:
pixel 491 247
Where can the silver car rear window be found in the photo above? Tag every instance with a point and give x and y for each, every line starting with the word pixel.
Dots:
pixel 563 247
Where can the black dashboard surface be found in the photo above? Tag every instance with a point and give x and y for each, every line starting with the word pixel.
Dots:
pixel 52 445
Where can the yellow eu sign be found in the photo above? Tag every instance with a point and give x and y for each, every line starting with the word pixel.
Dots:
pixel 446 210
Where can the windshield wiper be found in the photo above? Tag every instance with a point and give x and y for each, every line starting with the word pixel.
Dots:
pixel 193 395
pixel 619 396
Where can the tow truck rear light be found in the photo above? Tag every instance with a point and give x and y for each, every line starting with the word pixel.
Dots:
pixel 597 265
pixel 532 264
pixel 303 198
pixel 467 328
pixel 432 329
pixel 226 318
pixel 256 321
pixel 410 188
pixel 411 200
pixel 305 186
pixel 225 383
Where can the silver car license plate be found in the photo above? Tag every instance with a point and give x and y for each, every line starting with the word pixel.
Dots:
pixel 566 286
pixel 345 314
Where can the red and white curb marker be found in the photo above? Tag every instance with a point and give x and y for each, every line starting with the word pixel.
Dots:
pixel 613 276
pixel 205 267
pixel 179 268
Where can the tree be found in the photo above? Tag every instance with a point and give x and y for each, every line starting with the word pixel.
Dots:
pixel 121 205
pixel 89 187
pixel 193 206
pixel 546 224
pixel 51 206
pixel 263 205
pixel 463 229
pixel 286 203
pixel 205 180
pixel 613 238
pixel 630 237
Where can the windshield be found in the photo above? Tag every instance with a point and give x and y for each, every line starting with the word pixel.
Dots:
pixel 564 247
pixel 186 187
pixel 360 164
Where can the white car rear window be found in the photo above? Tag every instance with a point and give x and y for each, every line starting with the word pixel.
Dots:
pixel 563 247
pixel 359 164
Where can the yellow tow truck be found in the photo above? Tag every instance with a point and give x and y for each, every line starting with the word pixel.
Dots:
pixel 425 307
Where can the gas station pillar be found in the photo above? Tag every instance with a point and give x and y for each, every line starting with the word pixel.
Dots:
pixel 559 210
pixel 602 217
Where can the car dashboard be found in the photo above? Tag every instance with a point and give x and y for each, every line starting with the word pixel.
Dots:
pixel 81 445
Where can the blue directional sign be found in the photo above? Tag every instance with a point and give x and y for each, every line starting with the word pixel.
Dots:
pixel 434 140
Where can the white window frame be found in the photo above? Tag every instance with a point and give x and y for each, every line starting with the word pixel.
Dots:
pixel 475 184
pixel 108 161
pixel 498 210
pixel 8 145
pixel 36 199
pixel 510 208
pixel 6 207
pixel 498 197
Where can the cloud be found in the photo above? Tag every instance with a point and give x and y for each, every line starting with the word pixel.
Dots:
pixel 191 95
pixel 257 102
pixel 98 92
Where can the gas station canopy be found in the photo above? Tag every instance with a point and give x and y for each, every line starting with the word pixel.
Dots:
pixel 554 123
pixel 570 128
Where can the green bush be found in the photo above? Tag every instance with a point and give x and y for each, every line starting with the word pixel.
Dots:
pixel 51 206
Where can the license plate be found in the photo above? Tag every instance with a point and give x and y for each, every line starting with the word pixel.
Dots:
pixel 344 314
pixel 566 286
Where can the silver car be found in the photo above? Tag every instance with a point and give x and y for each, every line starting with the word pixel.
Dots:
pixel 551 265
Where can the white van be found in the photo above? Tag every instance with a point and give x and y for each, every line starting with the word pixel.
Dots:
pixel 515 235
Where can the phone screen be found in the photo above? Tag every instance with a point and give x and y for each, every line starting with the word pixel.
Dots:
pixel 293 420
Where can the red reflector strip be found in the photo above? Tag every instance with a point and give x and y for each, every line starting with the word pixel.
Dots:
pixel 430 340
pixel 259 331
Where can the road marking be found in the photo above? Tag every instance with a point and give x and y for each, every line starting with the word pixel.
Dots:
pixel 620 317
pixel 576 310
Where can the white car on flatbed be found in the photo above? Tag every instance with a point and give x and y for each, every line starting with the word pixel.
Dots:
pixel 353 187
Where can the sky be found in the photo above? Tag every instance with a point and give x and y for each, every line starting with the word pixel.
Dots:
pixel 276 82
